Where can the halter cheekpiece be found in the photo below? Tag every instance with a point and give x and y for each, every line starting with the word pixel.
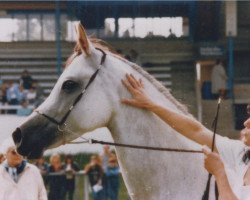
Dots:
pixel 61 122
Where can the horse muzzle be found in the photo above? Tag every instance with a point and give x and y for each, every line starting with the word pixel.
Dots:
pixel 34 136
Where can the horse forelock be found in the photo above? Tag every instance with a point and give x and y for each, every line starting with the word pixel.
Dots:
pixel 110 51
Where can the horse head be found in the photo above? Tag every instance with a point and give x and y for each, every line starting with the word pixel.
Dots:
pixel 77 92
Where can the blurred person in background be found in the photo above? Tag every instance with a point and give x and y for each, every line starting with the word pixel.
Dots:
pixel 70 167
pixel 105 156
pixel 95 174
pixel 56 179
pixel 112 182
pixel 19 179
pixel 4 87
pixel 1 81
pixel 13 93
pixel 219 80
pixel 43 167
pixel 31 95
pixel 26 80
pixel 25 110
pixel 40 95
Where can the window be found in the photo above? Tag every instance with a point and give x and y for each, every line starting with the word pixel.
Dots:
pixel 146 27
pixel 71 31
pixel 35 27
pixel 31 27
pixel 10 26
pixel 20 34
pixel 49 27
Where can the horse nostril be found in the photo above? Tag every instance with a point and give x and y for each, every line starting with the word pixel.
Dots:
pixel 17 136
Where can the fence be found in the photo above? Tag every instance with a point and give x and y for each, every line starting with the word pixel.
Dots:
pixel 5 109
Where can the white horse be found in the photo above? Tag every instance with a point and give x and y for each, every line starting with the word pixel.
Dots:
pixel 148 175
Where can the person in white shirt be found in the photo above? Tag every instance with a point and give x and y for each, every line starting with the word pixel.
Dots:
pixel 19 179
pixel 219 80
pixel 229 164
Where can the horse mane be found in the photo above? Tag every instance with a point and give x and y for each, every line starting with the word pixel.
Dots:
pixel 98 43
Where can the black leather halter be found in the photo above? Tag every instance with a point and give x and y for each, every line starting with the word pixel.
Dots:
pixel 78 98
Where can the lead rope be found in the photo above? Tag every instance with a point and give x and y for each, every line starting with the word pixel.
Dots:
pixel 214 125
pixel 93 141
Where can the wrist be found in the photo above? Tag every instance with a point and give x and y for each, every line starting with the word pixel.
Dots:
pixel 220 173
pixel 153 107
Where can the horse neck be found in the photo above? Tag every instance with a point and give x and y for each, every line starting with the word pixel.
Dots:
pixel 130 125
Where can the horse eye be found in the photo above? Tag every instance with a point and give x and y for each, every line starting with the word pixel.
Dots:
pixel 69 86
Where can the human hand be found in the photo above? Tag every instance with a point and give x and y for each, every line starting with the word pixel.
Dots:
pixel 212 162
pixel 139 98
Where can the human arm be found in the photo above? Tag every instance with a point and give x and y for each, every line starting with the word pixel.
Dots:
pixel 215 166
pixel 87 168
pixel 186 125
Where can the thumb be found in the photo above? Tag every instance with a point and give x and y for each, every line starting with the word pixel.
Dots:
pixel 128 101
pixel 206 150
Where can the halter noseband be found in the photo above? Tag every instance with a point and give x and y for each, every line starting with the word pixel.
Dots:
pixel 61 122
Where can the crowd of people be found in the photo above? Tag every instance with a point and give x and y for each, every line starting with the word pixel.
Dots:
pixel 25 92
pixel 56 179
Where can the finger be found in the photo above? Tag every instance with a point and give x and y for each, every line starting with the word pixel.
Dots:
pixel 128 86
pixel 141 83
pixel 132 81
pixel 128 101
pixel 206 150
pixel 135 80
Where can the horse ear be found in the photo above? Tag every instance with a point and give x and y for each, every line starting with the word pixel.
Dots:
pixel 82 39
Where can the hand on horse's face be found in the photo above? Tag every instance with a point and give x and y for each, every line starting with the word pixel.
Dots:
pixel 139 98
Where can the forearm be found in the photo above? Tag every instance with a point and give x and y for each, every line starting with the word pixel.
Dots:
pixel 186 125
pixel 225 191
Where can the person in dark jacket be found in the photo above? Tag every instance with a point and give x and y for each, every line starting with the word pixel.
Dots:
pixel 70 167
pixel 112 181
pixel 56 179
pixel 26 80
pixel 95 174
pixel 43 167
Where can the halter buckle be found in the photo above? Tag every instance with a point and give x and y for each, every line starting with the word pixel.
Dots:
pixel 90 141
pixel 61 127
